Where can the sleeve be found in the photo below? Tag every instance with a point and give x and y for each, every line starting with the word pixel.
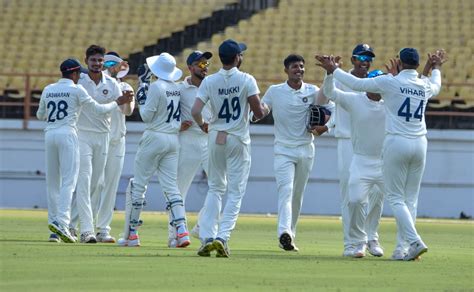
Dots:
pixel 127 108
pixel 268 97
pixel 435 81
pixel 335 94
pixel 332 121
pixel 252 87
pixel 92 105
pixel 41 113
pixel 202 92
pixel 375 85
pixel 149 109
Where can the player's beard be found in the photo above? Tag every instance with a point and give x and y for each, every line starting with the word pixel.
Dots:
pixel 238 64
pixel 199 76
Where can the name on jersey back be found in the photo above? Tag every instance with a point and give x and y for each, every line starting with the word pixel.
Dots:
pixel 227 91
pixel 57 94
pixel 410 91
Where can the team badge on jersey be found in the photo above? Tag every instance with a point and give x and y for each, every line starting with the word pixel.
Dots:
pixel 105 91
pixel 305 99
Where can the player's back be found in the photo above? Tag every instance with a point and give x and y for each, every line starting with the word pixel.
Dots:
pixel 60 104
pixel 406 97
pixel 227 91
pixel 162 110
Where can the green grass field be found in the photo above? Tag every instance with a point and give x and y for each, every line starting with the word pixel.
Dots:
pixel 30 263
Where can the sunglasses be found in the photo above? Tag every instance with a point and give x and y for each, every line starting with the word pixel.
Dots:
pixel 363 58
pixel 203 64
pixel 110 64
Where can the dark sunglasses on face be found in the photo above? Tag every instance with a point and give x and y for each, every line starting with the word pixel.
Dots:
pixel 203 64
pixel 363 58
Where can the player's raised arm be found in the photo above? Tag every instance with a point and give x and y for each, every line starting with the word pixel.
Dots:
pixel 148 110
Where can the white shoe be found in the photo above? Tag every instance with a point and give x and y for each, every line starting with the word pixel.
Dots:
pixel 105 237
pixel 398 255
pixel 172 242
pixel 73 233
pixel 416 249
pixel 88 237
pixel 62 232
pixel 122 242
pixel 359 250
pixel 374 248
pixel 195 231
pixel 348 252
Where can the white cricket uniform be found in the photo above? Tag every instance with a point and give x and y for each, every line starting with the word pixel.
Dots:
pixel 60 105
pixel 294 149
pixel 227 92
pixel 367 121
pixel 404 149
pixel 193 142
pixel 342 131
pixel 93 136
pixel 159 146
pixel 114 163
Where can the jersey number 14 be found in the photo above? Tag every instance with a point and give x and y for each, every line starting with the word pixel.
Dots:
pixel 404 110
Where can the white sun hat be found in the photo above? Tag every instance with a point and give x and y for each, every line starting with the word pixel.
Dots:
pixel 112 56
pixel 164 67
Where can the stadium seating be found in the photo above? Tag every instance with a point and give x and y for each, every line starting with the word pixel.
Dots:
pixel 308 27
pixel 38 34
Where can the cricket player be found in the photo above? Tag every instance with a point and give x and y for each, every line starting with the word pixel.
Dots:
pixel 230 92
pixel 294 148
pixel 404 150
pixel 60 105
pixel 158 151
pixel 193 142
pixel 367 120
pixel 362 57
pixel 117 68
pixel 93 136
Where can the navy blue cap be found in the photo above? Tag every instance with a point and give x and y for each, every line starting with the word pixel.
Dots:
pixel 71 65
pixel 230 48
pixel 409 56
pixel 363 49
pixel 196 55
pixel 375 73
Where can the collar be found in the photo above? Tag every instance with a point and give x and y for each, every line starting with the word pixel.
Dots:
pixel 291 89
pixel 187 83
pixel 66 81
pixel 409 73
pixel 88 78
pixel 228 72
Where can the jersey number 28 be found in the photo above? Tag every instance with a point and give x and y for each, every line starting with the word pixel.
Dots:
pixel 58 111
pixel 404 110
pixel 231 111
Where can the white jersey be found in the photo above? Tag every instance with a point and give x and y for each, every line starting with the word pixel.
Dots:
pixel 117 125
pixel 188 97
pixel 228 91
pixel 106 91
pixel 290 108
pixel 405 97
pixel 61 104
pixel 367 118
pixel 162 110
pixel 342 119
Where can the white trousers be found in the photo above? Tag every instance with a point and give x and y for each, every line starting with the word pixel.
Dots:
pixel 344 158
pixel 93 149
pixel 112 173
pixel 292 167
pixel 62 168
pixel 157 152
pixel 403 167
pixel 229 167
pixel 365 180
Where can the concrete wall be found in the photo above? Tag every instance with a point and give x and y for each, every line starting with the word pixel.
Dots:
pixel 447 187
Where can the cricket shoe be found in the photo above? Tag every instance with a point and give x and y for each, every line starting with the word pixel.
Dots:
pixel 398 255
pixel 172 242
pixel 221 247
pixel 206 248
pixel 416 249
pixel 183 239
pixel 54 238
pixel 62 232
pixel 105 237
pixel 73 233
pixel 132 241
pixel 374 248
pixel 88 237
pixel 286 242
pixel 348 252
pixel 359 250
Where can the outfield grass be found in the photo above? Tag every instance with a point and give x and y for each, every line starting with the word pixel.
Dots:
pixel 29 262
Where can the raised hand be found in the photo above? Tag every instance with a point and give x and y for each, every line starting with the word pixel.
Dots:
pixel 393 66
pixel 127 97
pixel 327 62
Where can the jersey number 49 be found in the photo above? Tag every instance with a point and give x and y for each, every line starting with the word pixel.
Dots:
pixel 231 111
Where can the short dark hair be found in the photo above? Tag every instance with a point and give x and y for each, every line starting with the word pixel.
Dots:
pixel 94 49
pixel 227 60
pixel 291 59
pixel 68 74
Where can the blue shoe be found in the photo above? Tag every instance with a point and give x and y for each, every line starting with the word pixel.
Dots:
pixel 62 232
pixel 54 238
